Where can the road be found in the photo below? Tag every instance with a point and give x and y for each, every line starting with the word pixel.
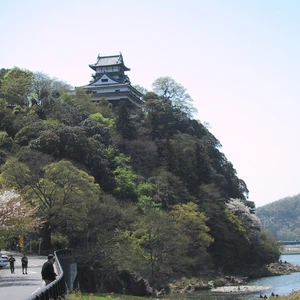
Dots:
pixel 18 286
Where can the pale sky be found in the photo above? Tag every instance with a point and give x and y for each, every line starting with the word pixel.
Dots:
pixel 238 59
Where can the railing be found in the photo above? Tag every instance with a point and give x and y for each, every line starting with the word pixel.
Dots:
pixel 58 288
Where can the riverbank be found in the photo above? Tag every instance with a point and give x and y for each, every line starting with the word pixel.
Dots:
pixel 232 284
pixel 274 269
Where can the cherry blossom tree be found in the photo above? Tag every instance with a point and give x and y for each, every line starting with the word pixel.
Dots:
pixel 15 215
pixel 249 220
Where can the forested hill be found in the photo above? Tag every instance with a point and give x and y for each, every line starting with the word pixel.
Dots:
pixel 282 218
pixel 145 190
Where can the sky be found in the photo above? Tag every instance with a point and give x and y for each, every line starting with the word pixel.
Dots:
pixel 238 59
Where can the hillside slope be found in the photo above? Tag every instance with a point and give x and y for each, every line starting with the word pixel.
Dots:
pixel 282 218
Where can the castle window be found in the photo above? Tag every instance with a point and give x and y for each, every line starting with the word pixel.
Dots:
pixel 104 80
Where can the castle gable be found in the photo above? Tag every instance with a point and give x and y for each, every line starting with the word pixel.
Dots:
pixel 104 80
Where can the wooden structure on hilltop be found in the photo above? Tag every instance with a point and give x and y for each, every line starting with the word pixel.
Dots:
pixel 111 83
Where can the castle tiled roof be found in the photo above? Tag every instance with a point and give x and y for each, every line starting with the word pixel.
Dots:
pixel 113 60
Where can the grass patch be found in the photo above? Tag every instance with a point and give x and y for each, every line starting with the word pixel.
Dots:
pixel 77 295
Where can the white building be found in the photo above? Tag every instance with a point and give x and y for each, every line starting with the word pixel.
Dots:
pixel 111 83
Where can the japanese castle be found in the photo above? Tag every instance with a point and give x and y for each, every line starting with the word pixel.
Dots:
pixel 111 83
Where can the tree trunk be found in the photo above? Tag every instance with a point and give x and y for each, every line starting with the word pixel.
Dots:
pixel 46 237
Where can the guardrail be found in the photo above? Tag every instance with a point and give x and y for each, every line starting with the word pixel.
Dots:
pixel 58 288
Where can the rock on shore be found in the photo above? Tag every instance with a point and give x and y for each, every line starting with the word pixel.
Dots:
pixel 232 284
pixel 274 269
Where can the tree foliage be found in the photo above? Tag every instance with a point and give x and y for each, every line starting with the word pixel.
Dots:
pixel 46 89
pixel 169 89
pixel 124 125
pixel 192 223
pixel 16 86
pixel 164 245
pixel 147 184
pixel 62 194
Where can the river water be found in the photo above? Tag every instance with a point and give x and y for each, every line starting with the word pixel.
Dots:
pixel 281 285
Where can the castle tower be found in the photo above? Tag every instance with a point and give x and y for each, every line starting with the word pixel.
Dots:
pixel 111 83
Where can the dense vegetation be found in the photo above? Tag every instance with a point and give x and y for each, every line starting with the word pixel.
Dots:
pixel 144 190
pixel 282 218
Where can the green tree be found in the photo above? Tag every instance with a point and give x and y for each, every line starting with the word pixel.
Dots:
pixel 126 187
pixel 150 96
pixel 45 88
pixel 236 243
pixel 7 118
pixel 143 154
pixel 29 132
pixel 164 245
pixel 252 226
pixel 190 165
pixel 2 73
pixel 16 86
pixel 68 114
pixel 6 142
pixel 81 98
pixel 168 88
pixel 103 242
pixel 48 142
pixel 102 120
pixel 267 251
pixel 168 190
pixel 161 119
pixel 192 223
pixel 141 89
pixel 124 124
pixel 62 193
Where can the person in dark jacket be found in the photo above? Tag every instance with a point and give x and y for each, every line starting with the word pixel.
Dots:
pixel 48 274
pixel 24 262
pixel 12 264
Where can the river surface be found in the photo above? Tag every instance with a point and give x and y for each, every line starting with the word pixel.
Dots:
pixel 281 285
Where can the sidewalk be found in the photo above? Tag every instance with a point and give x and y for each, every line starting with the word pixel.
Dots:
pixel 18 286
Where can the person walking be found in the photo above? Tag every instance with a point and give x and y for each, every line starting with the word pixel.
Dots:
pixel 48 274
pixel 24 261
pixel 12 264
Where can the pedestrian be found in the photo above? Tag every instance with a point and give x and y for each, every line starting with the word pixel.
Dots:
pixel 12 264
pixel 24 261
pixel 48 274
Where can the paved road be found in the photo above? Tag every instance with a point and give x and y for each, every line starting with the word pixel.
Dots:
pixel 18 286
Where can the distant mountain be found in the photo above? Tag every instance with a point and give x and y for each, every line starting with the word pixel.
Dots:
pixel 282 218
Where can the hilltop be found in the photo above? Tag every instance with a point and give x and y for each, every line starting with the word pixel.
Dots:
pixel 136 192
